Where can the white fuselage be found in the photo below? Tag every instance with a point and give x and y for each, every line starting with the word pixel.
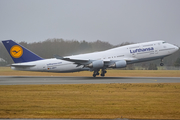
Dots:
pixel 131 53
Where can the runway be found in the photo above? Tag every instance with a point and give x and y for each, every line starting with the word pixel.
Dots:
pixel 30 80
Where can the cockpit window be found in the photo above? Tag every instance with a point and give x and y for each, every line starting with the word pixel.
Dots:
pixel 164 42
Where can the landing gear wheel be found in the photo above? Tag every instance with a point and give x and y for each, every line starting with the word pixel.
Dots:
pixel 103 72
pixel 94 75
pixel 102 75
pixel 161 64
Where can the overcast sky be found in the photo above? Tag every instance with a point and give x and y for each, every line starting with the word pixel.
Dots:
pixel 114 21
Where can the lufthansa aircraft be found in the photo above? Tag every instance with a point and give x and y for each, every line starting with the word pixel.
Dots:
pixel 119 57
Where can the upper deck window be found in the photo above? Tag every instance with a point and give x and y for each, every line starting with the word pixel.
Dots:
pixel 134 47
pixel 147 45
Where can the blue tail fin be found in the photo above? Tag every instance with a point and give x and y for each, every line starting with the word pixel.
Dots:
pixel 18 53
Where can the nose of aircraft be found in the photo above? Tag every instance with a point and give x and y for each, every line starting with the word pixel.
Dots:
pixel 176 48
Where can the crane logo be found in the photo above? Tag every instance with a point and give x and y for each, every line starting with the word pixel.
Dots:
pixel 16 51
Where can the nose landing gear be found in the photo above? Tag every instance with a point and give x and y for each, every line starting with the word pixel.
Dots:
pixel 161 64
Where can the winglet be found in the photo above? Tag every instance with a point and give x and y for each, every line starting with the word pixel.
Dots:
pixel 18 53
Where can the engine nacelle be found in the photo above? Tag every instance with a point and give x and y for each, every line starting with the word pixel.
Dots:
pixel 96 64
pixel 119 64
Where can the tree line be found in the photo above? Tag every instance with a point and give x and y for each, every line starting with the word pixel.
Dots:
pixel 51 47
pixel 61 47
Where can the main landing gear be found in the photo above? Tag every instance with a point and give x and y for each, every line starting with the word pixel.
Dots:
pixel 95 73
pixel 161 64
pixel 103 72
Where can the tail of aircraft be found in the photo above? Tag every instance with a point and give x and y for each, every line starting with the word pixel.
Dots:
pixel 18 53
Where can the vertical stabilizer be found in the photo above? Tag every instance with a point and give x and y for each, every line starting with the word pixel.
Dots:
pixel 18 53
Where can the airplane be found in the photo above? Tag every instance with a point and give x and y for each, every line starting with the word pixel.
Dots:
pixel 118 57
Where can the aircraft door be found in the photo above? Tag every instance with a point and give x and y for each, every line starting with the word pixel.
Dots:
pixel 41 67
pixel 156 47
pixel 44 68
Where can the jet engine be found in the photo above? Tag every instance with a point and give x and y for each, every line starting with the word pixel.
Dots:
pixel 118 64
pixel 96 64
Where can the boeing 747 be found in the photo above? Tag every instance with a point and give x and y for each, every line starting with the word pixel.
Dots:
pixel 119 57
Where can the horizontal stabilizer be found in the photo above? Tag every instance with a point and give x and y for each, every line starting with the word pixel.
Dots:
pixel 22 65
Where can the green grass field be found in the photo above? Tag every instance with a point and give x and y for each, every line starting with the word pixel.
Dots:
pixel 137 101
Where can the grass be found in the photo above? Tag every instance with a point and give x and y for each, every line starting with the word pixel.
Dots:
pixel 137 101
pixel 6 71
pixel 144 101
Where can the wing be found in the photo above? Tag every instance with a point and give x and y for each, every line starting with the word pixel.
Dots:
pixel 87 63
pixel 76 61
